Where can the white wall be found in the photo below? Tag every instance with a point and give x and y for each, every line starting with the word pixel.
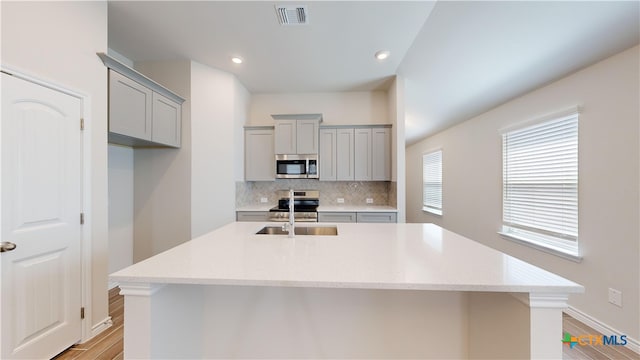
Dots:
pixel 218 110
pixel 162 176
pixel 609 153
pixel 396 116
pixel 120 207
pixel 350 108
pixel 57 42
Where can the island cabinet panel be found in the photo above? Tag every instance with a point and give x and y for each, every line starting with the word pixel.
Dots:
pixel 327 154
pixel 129 107
pixel 252 215
pixel 377 217
pixel 259 161
pixel 321 297
pixel 362 146
pixel 337 217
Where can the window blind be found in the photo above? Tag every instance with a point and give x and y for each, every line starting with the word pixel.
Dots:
pixel 540 182
pixel 432 182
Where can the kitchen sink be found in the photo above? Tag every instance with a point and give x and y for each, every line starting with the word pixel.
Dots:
pixel 300 230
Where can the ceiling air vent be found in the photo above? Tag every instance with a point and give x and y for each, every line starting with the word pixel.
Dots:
pixel 292 15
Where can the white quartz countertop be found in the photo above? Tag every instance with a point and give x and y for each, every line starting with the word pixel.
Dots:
pixel 371 256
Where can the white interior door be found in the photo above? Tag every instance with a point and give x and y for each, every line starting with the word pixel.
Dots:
pixel 41 194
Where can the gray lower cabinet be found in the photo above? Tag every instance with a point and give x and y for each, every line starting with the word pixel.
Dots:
pixel 252 216
pixel 377 217
pixel 360 217
pixel 337 217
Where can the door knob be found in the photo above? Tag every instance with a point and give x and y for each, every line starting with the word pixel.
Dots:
pixel 7 246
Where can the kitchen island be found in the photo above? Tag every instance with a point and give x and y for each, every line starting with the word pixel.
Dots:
pixel 371 291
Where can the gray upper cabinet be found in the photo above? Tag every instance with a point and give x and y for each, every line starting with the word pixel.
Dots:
pixel 142 113
pixel 259 160
pixel 286 137
pixel 129 107
pixel 361 153
pixel 336 154
pixel 307 136
pixel 297 134
pixel 327 154
pixel 167 120
pixel 362 141
pixel 345 166
pixel 381 154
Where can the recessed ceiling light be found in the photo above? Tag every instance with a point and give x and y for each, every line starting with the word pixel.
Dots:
pixel 382 54
pixel 236 60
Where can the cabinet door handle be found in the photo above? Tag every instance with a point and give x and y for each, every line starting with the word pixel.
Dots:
pixel 7 246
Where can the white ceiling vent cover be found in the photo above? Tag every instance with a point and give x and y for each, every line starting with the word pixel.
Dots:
pixel 292 14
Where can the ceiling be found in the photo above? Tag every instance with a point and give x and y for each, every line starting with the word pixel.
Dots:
pixel 473 56
pixel 459 59
pixel 334 52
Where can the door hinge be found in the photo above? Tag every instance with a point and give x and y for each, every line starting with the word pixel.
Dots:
pixel 81 218
pixel 81 123
pixel 81 313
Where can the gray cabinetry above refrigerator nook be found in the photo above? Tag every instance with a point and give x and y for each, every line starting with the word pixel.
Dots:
pixel 142 113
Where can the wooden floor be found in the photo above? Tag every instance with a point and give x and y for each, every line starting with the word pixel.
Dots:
pixel 109 344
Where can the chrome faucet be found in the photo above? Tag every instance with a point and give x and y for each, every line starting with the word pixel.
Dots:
pixel 291 225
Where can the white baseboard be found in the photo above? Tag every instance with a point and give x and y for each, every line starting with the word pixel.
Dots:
pixel 632 344
pixel 101 326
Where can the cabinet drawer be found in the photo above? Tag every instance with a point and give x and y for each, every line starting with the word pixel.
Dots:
pixel 337 217
pixel 377 217
pixel 252 215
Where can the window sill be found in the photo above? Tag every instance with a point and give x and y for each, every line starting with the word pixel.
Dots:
pixel 549 249
pixel 432 211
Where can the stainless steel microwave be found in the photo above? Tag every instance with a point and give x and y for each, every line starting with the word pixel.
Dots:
pixel 297 166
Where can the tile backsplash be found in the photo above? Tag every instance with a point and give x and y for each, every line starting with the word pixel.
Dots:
pixel 353 192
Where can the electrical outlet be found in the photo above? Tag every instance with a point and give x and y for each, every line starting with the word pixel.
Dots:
pixel 369 201
pixel 264 200
pixel 615 297
pixel 340 200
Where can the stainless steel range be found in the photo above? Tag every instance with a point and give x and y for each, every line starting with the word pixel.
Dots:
pixel 305 206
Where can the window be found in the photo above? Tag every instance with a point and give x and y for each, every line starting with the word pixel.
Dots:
pixel 540 185
pixel 432 182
